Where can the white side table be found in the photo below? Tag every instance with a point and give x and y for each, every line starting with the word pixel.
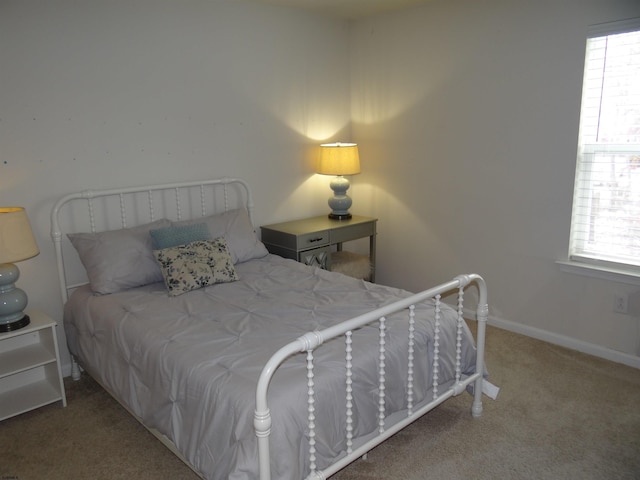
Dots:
pixel 30 372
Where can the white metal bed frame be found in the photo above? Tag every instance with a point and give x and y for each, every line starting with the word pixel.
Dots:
pixel 387 426
pixel 187 200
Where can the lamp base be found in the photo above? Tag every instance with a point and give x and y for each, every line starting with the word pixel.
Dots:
pixel 15 325
pixel 340 202
pixel 12 300
pixel 339 216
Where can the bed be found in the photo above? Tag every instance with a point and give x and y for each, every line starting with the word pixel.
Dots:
pixel 247 365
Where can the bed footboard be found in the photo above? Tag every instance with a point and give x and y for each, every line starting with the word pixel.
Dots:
pixel 387 425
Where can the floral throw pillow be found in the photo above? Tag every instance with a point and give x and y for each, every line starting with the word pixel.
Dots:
pixel 196 265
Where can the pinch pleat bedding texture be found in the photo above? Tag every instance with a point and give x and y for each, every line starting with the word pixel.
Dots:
pixel 188 365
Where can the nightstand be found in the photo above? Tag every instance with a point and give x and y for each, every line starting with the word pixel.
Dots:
pixel 313 240
pixel 30 373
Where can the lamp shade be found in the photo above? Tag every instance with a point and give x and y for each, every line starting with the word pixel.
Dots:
pixel 16 238
pixel 338 159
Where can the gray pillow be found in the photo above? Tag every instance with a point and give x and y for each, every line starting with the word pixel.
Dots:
pixel 119 259
pixel 236 228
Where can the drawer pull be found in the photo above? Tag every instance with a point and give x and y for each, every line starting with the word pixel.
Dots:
pixel 317 239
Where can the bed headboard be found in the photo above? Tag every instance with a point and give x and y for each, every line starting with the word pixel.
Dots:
pixel 111 209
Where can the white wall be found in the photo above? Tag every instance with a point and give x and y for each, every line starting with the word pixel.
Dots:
pixel 466 114
pixel 96 94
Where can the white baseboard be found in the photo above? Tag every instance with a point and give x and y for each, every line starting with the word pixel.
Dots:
pixel 562 340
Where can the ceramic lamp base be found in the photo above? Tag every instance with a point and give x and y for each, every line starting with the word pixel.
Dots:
pixel 12 300
pixel 15 325
pixel 340 202
pixel 339 216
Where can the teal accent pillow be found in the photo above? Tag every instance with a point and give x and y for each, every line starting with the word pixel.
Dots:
pixel 179 235
pixel 196 265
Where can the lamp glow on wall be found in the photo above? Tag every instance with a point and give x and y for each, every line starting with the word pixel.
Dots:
pixel 339 159
pixel 16 244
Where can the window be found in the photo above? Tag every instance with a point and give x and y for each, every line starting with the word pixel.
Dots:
pixel 605 223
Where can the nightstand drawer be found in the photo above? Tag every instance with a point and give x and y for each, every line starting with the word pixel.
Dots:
pixel 353 232
pixel 292 240
pixel 312 240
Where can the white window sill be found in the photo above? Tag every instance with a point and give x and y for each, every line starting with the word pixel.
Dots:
pixel 605 273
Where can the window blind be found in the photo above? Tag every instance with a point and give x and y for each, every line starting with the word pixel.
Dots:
pixel 605 224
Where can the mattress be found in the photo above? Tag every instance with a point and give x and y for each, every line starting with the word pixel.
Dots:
pixel 187 366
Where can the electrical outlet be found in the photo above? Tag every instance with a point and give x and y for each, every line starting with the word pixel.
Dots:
pixel 620 303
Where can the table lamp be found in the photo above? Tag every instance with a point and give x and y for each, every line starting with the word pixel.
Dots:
pixel 339 159
pixel 16 244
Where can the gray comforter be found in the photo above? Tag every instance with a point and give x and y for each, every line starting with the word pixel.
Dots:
pixel 188 365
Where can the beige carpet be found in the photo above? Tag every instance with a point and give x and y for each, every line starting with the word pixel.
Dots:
pixel 560 415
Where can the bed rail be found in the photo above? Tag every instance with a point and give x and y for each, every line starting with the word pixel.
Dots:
pixel 127 207
pixel 386 426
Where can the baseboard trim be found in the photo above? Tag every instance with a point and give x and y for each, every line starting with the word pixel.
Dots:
pixel 562 340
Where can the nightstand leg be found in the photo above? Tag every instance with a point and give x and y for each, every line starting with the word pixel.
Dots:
pixel 372 257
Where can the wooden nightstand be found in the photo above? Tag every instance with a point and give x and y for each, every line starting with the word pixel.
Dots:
pixel 312 240
pixel 30 373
